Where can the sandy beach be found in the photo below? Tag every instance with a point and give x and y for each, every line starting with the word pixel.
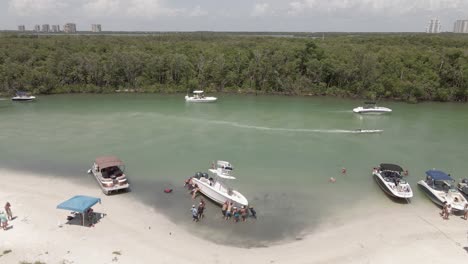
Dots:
pixel 131 232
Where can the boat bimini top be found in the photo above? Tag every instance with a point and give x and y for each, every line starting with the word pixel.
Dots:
pixel 390 167
pixel 438 175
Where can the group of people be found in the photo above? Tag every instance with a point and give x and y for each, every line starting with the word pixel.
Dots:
pixel 447 209
pixel 198 212
pixel 6 216
pixel 228 210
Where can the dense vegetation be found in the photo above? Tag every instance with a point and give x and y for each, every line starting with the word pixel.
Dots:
pixel 409 67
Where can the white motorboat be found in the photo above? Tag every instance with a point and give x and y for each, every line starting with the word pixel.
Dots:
pixel 390 180
pixel 438 186
pixel 463 187
pixel 368 131
pixel 199 97
pixel 371 108
pixel 215 187
pixel 109 173
pixel 23 96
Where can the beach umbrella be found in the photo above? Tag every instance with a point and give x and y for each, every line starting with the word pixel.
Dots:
pixel 79 203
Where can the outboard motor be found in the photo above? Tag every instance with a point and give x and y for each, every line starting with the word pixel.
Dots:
pixel 198 175
pixel 205 175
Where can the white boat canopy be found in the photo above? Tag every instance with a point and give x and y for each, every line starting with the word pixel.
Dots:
pixel 197 92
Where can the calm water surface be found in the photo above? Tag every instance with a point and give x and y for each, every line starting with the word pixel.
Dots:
pixel 284 149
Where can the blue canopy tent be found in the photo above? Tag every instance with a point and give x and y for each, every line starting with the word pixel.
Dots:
pixel 79 203
pixel 437 175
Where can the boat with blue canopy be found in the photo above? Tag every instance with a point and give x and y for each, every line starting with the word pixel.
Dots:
pixel 439 187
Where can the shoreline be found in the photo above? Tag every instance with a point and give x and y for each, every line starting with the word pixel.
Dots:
pixel 130 229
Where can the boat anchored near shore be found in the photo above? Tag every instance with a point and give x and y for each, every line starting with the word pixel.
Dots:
pixel 389 178
pixel 216 188
pixel 199 97
pixel 439 187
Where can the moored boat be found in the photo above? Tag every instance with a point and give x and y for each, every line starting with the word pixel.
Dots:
pixel 389 178
pixel 462 186
pixel 109 173
pixel 438 186
pixel 215 186
pixel 199 97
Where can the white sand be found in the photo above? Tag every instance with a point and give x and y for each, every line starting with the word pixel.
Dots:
pixel 368 234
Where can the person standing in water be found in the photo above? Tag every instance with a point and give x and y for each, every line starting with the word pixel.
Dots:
pixel 194 213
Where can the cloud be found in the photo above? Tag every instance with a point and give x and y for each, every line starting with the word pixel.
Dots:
pixel 150 9
pixel 101 7
pixel 390 7
pixel 260 9
pixel 197 12
pixel 36 7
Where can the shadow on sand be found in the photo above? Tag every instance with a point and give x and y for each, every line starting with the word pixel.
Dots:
pixel 77 219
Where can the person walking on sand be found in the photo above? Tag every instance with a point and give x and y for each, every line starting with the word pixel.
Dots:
pixel 8 211
pixel 448 209
pixel 444 209
pixel 3 220
pixel 194 213
pixel 465 215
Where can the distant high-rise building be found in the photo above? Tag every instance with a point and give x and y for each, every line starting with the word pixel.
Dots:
pixel 69 28
pixel 96 27
pixel 56 28
pixel 461 26
pixel 434 26
pixel 45 28
pixel 21 28
pixel 37 28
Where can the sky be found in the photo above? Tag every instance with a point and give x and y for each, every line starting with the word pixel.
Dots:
pixel 236 15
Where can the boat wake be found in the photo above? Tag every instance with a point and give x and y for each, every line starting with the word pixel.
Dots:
pixel 299 130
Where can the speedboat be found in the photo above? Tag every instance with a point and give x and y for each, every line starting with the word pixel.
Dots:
pixel 462 187
pixel 390 180
pixel 368 131
pixel 215 187
pixel 199 97
pixel 438 186
pixel 371 108
pixel 109 173
pixel 23 96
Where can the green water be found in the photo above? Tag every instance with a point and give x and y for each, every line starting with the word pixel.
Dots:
pixel 284 149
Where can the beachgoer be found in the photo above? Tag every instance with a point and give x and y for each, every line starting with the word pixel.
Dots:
pixel 228 211
pixel 243 212
pixel 405 173
pixel 202 201
pixel 444 209
pixel 465 215
pixel 3 220
pixel 194 213
pixel 253 212
pixel 224 208
pixel 200 210
pixel 8 211
pixel 448 210
pixel 195 191
pixel 187 182
pixel 332 180
pixel 343 171
pixel 236 214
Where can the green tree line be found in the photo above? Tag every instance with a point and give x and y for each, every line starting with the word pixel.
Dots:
pixel 410 67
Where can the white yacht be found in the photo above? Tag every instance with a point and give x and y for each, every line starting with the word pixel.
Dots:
pixel 463 187
pixel 22 96
pixel 199 97
pixel 438 186
pixel 215 187
pixel 390 180
pixel 371 108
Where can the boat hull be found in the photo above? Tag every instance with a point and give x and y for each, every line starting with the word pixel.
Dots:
pixel 405 193
pixel 372 111
pixel 218 193
pixel 23 99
